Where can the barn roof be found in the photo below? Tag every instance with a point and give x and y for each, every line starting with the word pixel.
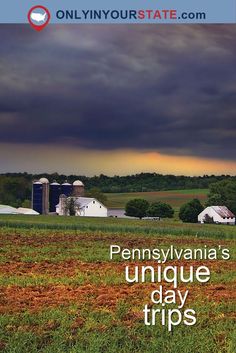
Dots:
pixel 29 211
pixel 5 209
pixel 83 201
pixel 223 211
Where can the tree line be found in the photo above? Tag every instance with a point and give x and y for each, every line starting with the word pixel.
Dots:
pixel 221 193
pixel 15 188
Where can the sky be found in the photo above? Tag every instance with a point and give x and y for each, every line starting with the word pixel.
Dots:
pixel 118 99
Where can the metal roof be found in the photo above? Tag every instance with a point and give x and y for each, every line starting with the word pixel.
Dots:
pixel 223 211
pixel 29 211
pixel 5 209
pixel 83 201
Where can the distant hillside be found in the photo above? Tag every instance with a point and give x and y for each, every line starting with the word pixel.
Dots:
pixel 16 187
pixel 175 198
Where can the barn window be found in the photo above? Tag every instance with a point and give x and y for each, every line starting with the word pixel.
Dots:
pixel 100 206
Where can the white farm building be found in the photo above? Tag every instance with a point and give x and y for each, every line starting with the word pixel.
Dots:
pixel 217 214
pixel 27 211
pixel 83 206
pixel 5 209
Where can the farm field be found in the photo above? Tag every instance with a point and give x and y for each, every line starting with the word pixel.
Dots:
pixel 60 293
pixel 175 198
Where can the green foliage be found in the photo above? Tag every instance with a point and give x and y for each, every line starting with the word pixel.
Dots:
pixel 175 198
pixel 136 208
pixel 102 320
pixel 97 194
pixel 58 330
pixel 223 193
pixel 16 187
pixel 190 211
pixel 160 209
pixel 26 203
pixel 70 206
pixel 101 226
pixel 14 190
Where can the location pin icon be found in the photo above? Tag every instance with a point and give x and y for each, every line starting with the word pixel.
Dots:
pixel 39 17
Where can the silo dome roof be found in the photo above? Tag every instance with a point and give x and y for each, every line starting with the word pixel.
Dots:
pixel 78 183
pixel 44 180
pixel 54 183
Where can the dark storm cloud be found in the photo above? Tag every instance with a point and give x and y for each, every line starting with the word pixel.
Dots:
pixel 162 88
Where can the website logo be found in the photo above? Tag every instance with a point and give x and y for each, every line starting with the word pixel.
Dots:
pixel 39 17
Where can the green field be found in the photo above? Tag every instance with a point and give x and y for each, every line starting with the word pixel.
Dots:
pixel 60 293
pixel 117 226
pixel 175 198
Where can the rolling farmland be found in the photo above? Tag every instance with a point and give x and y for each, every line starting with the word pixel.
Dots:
pixel 174 197
pixel 59 293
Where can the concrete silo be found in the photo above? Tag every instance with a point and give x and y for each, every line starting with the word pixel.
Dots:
pixel 78 188
pixel 62 209
pixel 54 194
pixel 45 196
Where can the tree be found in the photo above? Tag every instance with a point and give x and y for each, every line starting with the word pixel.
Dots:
pixel 70 206
pixel 136 208
pixel 214 200
pixel 14 190
pixel 208 219
pixel 160 209
pixel 223 193
pixel 189 212
pixel 97 194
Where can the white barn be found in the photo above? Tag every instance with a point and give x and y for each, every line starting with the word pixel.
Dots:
pixel 218 214
pixel 84 207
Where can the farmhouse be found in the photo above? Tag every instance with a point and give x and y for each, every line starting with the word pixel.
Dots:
pixel 80 206
pixel 216 214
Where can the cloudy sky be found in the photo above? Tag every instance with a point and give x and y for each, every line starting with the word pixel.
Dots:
pixel 118 99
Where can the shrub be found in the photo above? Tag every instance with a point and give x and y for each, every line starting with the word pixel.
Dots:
pixel 160 209
pixel 136 208
pixel 189 212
